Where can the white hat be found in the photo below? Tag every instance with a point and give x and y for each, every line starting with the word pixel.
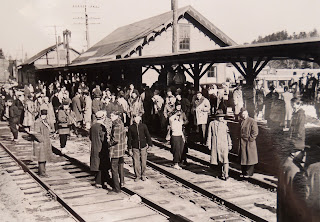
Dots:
pixel 100 114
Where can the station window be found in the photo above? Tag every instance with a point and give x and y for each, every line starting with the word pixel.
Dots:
pixel 212 72
pixel 184 37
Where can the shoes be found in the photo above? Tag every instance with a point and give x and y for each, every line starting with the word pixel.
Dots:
pixel 177 167
pixel 122 184
pixel 224 178
pixel 44 175
pixel 143 178
pixel 64 150
pixel 113 192
pixel 136 179
pixel 98 186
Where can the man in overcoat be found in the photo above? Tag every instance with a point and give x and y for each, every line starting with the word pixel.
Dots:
pixel 219 142
pixel 14 115
pixel 117 151
pixel 248 148
pixel 99 157
pixel 77 108
pixel 42 149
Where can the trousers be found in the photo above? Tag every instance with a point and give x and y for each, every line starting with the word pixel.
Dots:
pixel 14 129
pixel 63 140
pixel 139 161
pixel 117 172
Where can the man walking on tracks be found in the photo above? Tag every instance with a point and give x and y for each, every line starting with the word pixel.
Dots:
pixel 248 148
pixel 138 141
pixel 99 157
pixel 42 149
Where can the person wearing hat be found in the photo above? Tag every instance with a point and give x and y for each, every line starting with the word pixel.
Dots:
pixel 99 157
pixel 14 115
pixel 42 149
pixel 219 142
pixel 65 119
pixel 97 105
pixel 248 148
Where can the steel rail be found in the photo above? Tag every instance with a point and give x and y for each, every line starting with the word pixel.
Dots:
pixel 208 194
pixel 172 216
pixel 44 185
pixel 232 172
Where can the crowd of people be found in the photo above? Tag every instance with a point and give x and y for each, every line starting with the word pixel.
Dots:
pixel 120 119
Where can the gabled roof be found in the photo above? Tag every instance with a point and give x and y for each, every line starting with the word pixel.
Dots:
pixel 126 40
pixel 42 53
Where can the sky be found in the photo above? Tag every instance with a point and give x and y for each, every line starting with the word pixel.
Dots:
pixel 27 26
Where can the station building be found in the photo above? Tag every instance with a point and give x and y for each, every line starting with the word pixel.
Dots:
pixel 153 37
pixel 29 70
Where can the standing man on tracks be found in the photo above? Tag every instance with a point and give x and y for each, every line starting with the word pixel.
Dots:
pixel 14 116
pixel 42 149
pixel 248 148
pixel 99 157
pixel 117 151
pixel 219 142
pixel 139 140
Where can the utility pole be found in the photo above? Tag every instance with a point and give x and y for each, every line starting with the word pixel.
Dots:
pixel 174 7
pixel 86 18
pixel 57 46
pixel 66 36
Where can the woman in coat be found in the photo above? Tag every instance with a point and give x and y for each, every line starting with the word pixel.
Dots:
pixel 99 157
pixel 248 148
pixel 42 150
pixel 201 109
pixel 219 142
pixel 29 113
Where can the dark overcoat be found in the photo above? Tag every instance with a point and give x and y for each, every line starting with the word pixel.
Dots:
pixel 298 130
pixel 248 148
pixel 42 149
pixel 99 157
pixel 76 108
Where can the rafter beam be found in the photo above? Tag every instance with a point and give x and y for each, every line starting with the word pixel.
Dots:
pixel 257 64
pixel 158 71
pixel 256 73
pixel 185 69
pixel 205 71
pixel 238 68
pixel 147 68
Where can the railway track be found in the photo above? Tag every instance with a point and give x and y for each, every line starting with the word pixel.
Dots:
pixel 257 202
pixel 175 192
pixel 71 184
pixel 201 155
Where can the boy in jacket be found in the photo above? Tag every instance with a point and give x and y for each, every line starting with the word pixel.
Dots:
pixel 138 141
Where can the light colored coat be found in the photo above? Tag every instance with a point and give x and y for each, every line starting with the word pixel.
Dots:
pixel 29 113
pixel 238 101
pixel 87 110
pixel 202 109
pixel 219 141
